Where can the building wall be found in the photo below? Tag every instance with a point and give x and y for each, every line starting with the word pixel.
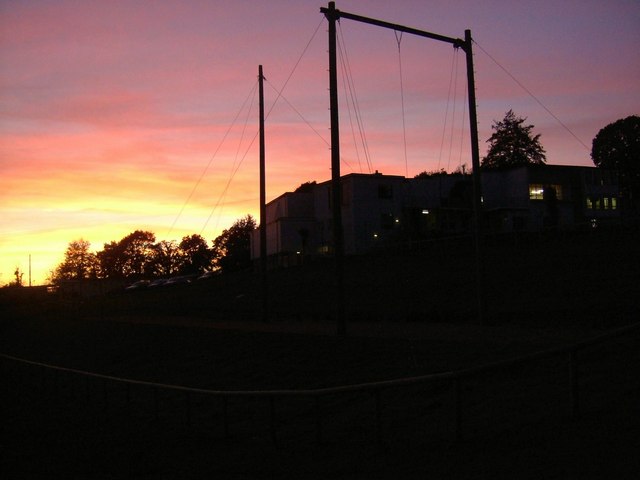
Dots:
pixel 379 209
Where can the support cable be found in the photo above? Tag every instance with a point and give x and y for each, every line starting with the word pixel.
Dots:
pixel 204 172
pixel 538 101
pixel 446 112
pixel 298 113
pixel 453 113
pixel 404 127
pixel 346 65
pixel 464 119
pixel 346 90
pixel 239 164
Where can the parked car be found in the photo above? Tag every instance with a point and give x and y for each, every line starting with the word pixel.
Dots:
pixel 137 285
pixel 178 280
pixel 207 275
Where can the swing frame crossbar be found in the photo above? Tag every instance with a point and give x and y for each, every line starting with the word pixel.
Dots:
pixel 456 42
pixel 333 15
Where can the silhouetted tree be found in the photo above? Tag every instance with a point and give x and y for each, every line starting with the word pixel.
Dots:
pixel 79 262
pixel 137 248
pixel 512 144
pixel 617 147
pixel 18 274
pixel 231 248
pixel 111 259
pixel 130 257
pixel 432 173
pixel 195 255
pixel 165 259
pixel 305 187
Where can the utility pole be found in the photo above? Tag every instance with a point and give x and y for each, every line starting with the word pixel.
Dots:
pixel 263 206
pixel 332 16
pixel 477 184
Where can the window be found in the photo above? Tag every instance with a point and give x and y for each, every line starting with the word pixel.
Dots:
pixel 602 203
pixel 385 191
pixel 537 191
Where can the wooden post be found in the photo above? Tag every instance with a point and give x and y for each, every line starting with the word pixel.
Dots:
pixel 336 194
pixel 575 386
pixel 263 206
pixel 457 407
pixel 378 416
pixel 318 419
pixel 225 416
pixel 272 422
pixel 477 183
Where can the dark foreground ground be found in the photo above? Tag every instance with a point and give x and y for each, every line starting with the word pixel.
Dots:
pixel 409 314
pixel 68 427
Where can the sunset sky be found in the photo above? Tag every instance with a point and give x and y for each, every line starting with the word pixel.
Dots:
pixel 125 115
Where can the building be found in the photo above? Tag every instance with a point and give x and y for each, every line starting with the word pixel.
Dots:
pixel 538 197
pixel 379 209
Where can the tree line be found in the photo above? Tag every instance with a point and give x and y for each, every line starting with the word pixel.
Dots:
pixel 139 255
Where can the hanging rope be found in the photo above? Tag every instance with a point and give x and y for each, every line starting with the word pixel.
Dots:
pixel 345 65
pixel 453 111
pixel 462 130
pixel 446 112
pixel 404 127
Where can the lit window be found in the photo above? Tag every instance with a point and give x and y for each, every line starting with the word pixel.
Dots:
pixel 536 192
pixel 605 202
pixel 589 203
pixel 614 203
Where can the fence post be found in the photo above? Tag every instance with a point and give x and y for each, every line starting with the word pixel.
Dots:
pixel 378 416
pixel 457 407
pixel 104 394
pixel 575 386
pixel 318 419
pixel 225 416
pixel 272 415
pixel 187 399
pixel 156 413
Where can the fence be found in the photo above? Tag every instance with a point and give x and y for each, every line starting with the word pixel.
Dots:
pixel 448 405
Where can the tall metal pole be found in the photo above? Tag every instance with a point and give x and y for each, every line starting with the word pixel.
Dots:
pixel 263 207
pixel 477 184
pixel 338 235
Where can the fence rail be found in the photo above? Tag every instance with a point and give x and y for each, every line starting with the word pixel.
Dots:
pixel 533 385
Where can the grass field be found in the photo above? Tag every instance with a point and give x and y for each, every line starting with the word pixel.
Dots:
pixel 409 313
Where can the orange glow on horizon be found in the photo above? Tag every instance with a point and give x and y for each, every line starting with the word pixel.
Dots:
pixel 116 117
